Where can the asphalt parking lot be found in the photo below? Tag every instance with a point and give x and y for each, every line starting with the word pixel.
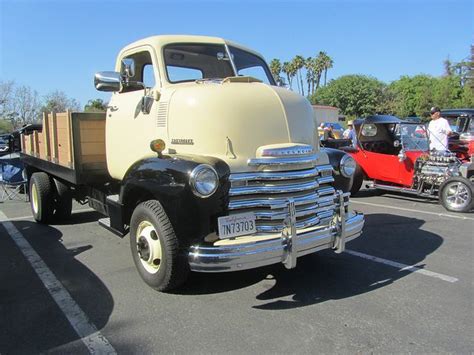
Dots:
pixel 406 285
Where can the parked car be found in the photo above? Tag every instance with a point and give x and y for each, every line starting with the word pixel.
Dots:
pixel 395 156
pixel 462 124
pixel 337 129
pixel 4 144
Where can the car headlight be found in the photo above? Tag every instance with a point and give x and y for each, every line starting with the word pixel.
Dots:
pixel 347 166
pixel 204 180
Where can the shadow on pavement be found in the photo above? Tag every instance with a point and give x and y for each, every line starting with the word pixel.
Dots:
pixel 328 276
pixel 31 321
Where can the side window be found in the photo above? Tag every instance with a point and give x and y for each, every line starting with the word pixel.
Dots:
pixel 142 65
pixel 148 76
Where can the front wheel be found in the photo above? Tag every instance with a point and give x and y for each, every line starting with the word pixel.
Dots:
pixel 156 249
pixel 456 194
pixel 357 180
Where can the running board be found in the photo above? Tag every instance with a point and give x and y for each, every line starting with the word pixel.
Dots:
pixel 403 190
pixel 105 223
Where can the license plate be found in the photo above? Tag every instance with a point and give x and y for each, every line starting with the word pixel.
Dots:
pixel 236 225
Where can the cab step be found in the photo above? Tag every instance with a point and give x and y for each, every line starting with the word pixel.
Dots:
pixel 105 223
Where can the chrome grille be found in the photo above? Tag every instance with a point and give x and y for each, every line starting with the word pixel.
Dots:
pixel 267 193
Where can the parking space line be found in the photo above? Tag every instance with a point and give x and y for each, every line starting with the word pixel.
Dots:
pixel 402 267
pixel 31 216
pixel 439 214
pixel 95 342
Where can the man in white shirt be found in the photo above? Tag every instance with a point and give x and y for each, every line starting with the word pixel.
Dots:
pixel 439 130
pixel 350 133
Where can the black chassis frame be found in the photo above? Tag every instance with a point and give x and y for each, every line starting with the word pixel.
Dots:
pixel 165 178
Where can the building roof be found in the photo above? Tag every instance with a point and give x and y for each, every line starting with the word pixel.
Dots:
pixel 325 107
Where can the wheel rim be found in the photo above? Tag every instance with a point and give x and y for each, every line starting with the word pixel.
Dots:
pixel 149 248
pixel 457 195
pixel 34 198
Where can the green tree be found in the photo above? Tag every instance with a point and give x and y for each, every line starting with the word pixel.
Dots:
pixel 354 95
pixel 286 68
pixel 96 105
pixel 275 68
pixel 413 96
pixel 58 101
pixel 5 126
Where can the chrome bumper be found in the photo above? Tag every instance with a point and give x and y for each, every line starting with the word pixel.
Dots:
pixel 285 248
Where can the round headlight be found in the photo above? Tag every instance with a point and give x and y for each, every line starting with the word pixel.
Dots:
pixel 204 180
pixel 348 166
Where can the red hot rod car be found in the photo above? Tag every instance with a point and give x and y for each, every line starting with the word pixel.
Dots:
pixel 395 155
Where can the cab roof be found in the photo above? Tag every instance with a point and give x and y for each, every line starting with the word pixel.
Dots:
pixel 163 40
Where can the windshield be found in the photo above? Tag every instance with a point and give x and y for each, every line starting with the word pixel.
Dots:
pixel 191 62
pixel 413 137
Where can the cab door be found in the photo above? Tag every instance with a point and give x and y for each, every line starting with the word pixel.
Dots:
pixel 130 128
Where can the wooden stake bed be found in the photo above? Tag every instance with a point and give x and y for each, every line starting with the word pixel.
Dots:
pixel 70 146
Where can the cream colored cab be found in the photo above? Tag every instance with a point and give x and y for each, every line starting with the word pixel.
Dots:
pixel 201 102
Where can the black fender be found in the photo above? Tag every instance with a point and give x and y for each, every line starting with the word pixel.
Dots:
pixel 166 179
pixel 340 182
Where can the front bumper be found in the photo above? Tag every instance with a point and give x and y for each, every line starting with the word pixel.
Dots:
pixel 284 248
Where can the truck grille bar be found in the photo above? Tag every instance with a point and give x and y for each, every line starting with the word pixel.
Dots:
pixel 266 193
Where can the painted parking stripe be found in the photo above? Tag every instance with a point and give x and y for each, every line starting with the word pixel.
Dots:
pixel 413 210
pixel 21 218
pixel 402 267
pixel 95 342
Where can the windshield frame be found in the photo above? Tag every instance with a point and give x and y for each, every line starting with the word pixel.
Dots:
pixel 228 50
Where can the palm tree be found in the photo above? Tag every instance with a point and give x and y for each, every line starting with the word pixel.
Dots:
pixel 327 64
pixel 298 62
pixel 308 64
pixel 286 68
pixel 275 68
pixel 318 68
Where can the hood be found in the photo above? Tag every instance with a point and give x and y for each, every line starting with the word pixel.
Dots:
pixel 232 120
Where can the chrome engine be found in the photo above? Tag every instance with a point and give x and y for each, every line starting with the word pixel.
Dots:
pixel 435 168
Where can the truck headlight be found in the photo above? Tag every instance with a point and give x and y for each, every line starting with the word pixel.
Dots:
pixel 204 180
pixel 347 166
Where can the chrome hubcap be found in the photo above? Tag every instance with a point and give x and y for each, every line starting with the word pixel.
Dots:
pixel 34 198
pixel 457 195
pixel 148 247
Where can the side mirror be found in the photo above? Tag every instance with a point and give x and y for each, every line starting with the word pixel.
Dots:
pixel 108 81
pixel 402 156
pixel 128 68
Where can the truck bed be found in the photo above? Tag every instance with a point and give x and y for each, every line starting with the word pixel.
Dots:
pixel 71 146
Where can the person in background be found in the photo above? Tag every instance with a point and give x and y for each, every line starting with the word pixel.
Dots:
pixel 350 133
pixel 438 130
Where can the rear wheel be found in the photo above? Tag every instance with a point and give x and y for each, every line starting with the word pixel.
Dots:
pixel 357 180
pixel 41 197
pixel 456 194
pixel 156 249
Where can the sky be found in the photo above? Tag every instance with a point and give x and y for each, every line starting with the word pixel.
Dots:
pixel 60 45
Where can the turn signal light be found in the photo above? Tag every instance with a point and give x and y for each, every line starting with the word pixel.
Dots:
pixel 157 145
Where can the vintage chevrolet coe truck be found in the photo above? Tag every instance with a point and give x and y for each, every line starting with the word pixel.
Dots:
pixel 205 162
